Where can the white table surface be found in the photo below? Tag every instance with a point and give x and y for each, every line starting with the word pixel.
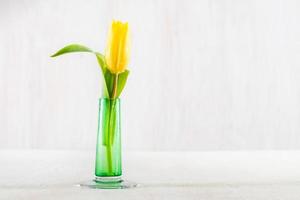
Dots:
pixel 36 174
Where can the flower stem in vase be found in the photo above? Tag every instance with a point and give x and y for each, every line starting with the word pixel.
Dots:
pixel 111 125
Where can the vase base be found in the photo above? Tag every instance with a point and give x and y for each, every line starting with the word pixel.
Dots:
pixel 108 183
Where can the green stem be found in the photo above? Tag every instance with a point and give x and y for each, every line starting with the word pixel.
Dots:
pixel 115 86
pixel 111 125
pixel 109 159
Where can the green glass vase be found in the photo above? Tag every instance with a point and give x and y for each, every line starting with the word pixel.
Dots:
pixel 108 166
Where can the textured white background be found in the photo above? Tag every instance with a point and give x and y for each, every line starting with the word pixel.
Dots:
pixel 206 74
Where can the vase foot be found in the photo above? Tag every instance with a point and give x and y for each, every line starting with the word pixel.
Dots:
pixel 108 183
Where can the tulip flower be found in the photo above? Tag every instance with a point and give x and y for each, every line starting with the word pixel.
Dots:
pixel 117 50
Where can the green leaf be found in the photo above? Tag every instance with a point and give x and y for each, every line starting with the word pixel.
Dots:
pixel 122 81
pixel 108 76
pixel 71 49
pixel 109 79
pixel 101 61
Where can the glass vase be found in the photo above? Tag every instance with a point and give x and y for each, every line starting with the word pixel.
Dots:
pixel 108 151
pixel 108 164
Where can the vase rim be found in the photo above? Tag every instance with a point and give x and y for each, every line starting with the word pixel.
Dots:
pixel 106 98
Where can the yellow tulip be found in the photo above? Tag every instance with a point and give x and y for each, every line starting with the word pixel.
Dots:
pixel 117 50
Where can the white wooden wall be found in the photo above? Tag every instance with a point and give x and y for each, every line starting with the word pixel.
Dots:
pixel 205 74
